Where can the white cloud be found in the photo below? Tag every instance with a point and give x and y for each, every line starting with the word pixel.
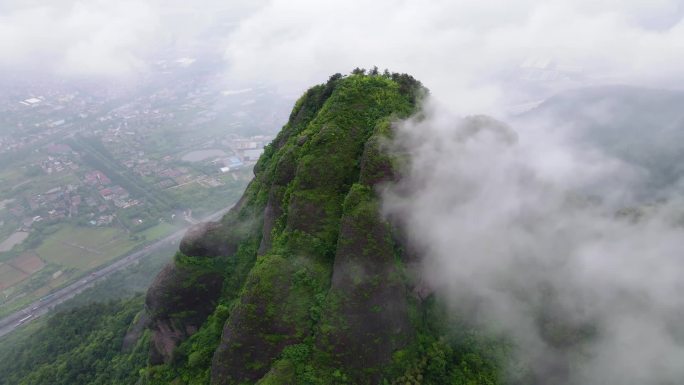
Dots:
pixel 516 232
pixel 107 38
pixel 463 50
pixel 94 38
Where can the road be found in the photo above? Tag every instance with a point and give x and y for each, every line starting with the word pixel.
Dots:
pixel 44 305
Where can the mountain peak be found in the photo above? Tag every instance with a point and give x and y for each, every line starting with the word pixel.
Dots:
pixel 303 270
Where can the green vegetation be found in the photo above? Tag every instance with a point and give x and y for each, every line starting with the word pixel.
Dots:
pixel 89 324
pixel 209 200
pixel 68 251
pixel 84 248
pixel 78 346
pixel 303 282
pixel 327 299
pixel 447 351
pixel 125 283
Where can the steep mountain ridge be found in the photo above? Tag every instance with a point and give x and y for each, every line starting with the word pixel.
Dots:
pixel 304 270
pixel 302 282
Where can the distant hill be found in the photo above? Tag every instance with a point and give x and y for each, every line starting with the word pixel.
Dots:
pixel 642 126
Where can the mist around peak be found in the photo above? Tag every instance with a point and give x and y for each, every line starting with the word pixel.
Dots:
pixel 538 237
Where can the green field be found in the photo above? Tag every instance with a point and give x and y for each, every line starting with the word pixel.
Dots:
pixel 159 231
pixel 11 175
pixel 46 182
pixel 84 248
pixel 9 178
pixel 74 251
pixel 9 276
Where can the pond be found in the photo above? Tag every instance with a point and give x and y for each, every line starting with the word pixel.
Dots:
pixel 196 156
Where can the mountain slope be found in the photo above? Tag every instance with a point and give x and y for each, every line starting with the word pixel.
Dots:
pixel 93 344
pixel 305 261
pixel 302 282
pixel 305 282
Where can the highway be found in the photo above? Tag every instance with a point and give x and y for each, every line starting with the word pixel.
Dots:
pixel 42 306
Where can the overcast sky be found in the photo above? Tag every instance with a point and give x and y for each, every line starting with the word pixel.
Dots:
pixel 464 50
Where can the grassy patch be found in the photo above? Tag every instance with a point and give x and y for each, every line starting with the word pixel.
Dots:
pixel 158 231
pixel 84 248
pixel 10 276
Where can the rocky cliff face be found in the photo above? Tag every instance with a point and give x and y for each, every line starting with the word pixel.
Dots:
pixel 309 275
pixel 179 301
pixel 187 291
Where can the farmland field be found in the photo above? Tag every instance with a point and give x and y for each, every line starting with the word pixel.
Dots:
pixel 159 231
pixel 28 262
pixel 10 276
pixel 64 255
pixel 13 240
pixel 84 248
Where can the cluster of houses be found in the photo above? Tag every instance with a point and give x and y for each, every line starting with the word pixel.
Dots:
pixel 61 158
pixel 92 199
pixel 116 194
pixel 57 203
pixel 41 116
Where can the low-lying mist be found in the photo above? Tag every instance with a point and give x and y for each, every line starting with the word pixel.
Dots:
pixel 549 241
